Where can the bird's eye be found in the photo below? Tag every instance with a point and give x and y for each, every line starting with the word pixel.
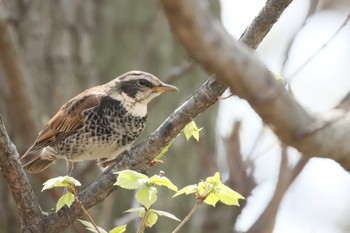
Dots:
pixel 144 83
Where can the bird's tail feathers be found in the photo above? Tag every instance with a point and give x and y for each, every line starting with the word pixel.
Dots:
pixel 34 162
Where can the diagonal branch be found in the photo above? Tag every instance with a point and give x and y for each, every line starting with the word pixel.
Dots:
pixel 206 41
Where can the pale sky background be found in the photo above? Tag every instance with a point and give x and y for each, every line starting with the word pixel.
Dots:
pixel 319 200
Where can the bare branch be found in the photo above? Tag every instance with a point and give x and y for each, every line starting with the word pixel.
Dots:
pixel 262 23
pixel 266 222
pixel 209 44
pixel 11 169
pixel 330 39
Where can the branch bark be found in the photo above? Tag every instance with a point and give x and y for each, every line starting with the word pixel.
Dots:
pixel 11 169
pixel 206 41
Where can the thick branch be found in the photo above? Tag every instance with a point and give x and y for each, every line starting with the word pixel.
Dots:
pixel 206 41
pixel 11 169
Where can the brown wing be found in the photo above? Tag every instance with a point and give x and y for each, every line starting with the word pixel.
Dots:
pixel 67 120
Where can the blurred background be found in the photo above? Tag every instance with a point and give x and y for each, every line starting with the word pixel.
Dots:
pixel 52 50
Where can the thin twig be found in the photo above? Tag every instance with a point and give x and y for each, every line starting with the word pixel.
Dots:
pixel 86 213
pixel 302 66
pixel 143 222
pixel 194 209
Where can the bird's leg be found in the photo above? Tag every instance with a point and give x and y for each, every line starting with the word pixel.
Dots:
pixel 70 166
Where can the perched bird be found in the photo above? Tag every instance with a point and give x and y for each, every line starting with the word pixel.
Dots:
pixel 99 123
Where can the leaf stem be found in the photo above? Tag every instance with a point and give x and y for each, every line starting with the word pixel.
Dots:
pixel 143 222
pixel 194 209
pixel 85 212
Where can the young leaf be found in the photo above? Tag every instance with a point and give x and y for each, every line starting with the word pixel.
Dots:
pixel 130 179
pixel 61 181
pixel 191 130
pixel 211 199
pixel 118 229
pixel 151 219
pixel 160 155
pixel 90 227
pixel 187 190
pixel 147 196
pixel 166 214
pixel 134 210
pixel 67 199
pixel 227 196
pixel 215 180
pixel 162 181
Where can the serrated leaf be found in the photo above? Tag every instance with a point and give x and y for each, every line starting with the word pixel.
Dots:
pixel 190 130
pixel 195 134
pixel 147 196
pixel 187 190
pixel 66 199
pixel 134 210
pixel 166 214
pixel 215 180
pixel 160 155
pixel 131 179
pixel 90 227
pixel 211 199
pixel 162 181
pixel 118 229
pixel 61 181
pixel 228 196
pixel 151 219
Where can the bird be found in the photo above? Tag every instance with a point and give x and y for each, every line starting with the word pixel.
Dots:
pixel 98 124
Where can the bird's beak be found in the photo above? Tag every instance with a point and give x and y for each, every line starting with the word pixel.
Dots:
pixel 165 88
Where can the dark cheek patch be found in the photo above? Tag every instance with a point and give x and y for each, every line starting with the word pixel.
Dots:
pixel 129 88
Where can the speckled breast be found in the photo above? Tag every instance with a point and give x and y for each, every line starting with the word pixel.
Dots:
pixel 108 130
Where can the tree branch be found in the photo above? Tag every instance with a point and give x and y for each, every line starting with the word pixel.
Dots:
pixel 206 41
pixel 11 169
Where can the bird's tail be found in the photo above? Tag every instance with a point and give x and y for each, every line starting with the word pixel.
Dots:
pixel 34 161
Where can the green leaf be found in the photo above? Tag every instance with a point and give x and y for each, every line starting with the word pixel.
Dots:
pixel 228 196
pixel 162 181
pixel 118 229
pixel 215 180
pixel 211 199
pixel 166 214
pixel 90 227
pixel 151 218
pixel 61 181
pixel 160 155
pixel 147 196
pixel 131 179
pixel 134 210
pixel 187 190
pixel 191 130
pixel 67 199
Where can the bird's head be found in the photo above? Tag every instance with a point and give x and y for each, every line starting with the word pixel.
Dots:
pixel 139 86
